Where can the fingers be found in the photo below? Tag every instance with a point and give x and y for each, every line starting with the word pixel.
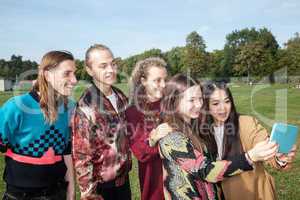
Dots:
pixel 268 146
pixel 265 150
pixel 164 129
pixel 262 143
pixel 294 149
pixel 291 156
pixel 279 155
pixel 286 157
pixel 164 126
pixel 269 156
pixel 270 152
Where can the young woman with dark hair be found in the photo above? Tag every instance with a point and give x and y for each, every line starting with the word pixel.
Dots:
pixel 232 134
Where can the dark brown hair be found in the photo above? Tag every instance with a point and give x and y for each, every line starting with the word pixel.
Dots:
pixel 232 143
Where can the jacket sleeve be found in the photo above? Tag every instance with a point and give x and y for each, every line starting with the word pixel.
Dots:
pixel 139 144
pixel 258 134
pixel 178 148
pixel 82 153
pixel 10 118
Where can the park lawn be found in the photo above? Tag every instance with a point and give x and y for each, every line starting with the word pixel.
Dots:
pixel 263 105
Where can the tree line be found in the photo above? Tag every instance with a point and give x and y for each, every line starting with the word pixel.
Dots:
pixel 249 52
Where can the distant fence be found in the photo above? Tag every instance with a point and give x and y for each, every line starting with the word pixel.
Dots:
pixel 294 80
pixel 276 79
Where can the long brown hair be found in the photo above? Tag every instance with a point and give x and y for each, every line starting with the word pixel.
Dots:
pixel 170 102
pixel 48 96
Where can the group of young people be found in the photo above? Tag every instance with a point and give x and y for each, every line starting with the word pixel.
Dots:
pixel 188 138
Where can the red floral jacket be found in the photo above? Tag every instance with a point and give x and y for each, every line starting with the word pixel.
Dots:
pixel 100 144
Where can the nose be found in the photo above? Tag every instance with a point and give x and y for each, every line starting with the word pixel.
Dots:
pixel 221 106
pixel 163 84
pixel 110 68
pixel 198 104
pixel 73 79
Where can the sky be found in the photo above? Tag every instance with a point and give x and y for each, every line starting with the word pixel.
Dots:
pixel 30 28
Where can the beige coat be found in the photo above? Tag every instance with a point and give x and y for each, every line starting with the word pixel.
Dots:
pixel 256 184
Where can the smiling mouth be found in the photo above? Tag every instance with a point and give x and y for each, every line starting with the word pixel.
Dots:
pixel 222 114
pixel 110 76
pixel 196 112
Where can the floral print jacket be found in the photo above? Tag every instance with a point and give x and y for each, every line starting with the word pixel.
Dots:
pixel 100 144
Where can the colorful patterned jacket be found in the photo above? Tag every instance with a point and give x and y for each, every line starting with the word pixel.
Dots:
pixel 100 144
pixel 189 174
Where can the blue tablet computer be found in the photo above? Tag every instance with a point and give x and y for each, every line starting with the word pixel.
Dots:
pixel 285 135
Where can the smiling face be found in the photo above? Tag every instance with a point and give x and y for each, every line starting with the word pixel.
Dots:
pixel 103 67
pixel 62 77
pixel 154 83
pixel 219 106
pixel 190 103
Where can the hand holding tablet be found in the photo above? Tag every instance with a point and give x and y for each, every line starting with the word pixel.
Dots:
pixel 285 135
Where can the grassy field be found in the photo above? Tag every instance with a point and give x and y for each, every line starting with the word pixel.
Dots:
pixel 262 106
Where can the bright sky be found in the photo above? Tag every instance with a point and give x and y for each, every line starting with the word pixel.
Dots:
pixel 32 27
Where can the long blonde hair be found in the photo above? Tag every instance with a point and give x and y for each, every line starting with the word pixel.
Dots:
pixel 48 96
pixel 140 71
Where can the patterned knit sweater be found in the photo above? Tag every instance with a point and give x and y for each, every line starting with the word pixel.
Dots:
pixel 190 174
pixel 33 148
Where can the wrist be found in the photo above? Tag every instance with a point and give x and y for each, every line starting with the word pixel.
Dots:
pixel 281 163
pixel 249 159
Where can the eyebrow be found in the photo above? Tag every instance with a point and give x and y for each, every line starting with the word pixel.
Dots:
pixel 68 71
pixel 219 99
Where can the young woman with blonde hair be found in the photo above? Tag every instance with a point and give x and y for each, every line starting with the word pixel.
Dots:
pixel 143 115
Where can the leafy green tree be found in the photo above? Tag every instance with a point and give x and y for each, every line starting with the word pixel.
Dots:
pixel 14 67
pixel 175 59
pixel 127 65
pixel 289 56
pixel 81 73
pixel 216 64
pixel 253 59
pixel 196 58
pixel 194 40
pixel 261 39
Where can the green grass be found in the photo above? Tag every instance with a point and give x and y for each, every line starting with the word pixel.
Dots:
pixel 263 102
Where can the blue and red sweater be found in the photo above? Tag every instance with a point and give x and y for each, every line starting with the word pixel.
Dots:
pixel 33 148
